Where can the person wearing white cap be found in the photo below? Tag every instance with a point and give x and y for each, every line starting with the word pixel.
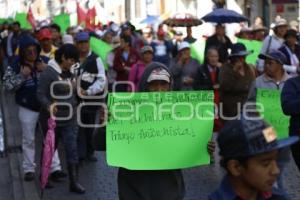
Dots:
pixel 67 39
pixel 184 68
pixel 273 42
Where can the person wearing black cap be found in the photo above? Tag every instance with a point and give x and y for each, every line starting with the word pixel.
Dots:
pixel 274 78
pixel 251 163
pixel 273 42
pixel 291 50
pixel 274 75
pixel 235 79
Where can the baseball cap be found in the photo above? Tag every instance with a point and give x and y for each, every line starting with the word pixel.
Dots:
pixel 44 33
pixel 146 48
pixel 249 137
pixel 183 45
pixel 159 75
pixel 67 39
pixel 82 36
pixel 274 55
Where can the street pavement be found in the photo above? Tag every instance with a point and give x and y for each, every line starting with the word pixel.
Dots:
pixel 101 182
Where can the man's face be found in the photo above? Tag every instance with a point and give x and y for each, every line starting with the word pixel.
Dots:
pixel 213 57
pixel 272 67
pixel 83 46
pixel 46 44
pixel 31 53
pixel 159 86
pixel 16 28
pixel 55 34
pixel 261 171
pixel 220 30
pixel 281 30
pixel 185 53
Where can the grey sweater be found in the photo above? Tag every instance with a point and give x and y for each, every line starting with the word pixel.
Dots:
pixel 265 82
pixel 57 86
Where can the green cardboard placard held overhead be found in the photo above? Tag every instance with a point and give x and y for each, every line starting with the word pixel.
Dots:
pixel 159 131
pixel 63 20
pixel 101 48
pixel 272 111
pixel 197 50
pixel 22 19
pixel 252 45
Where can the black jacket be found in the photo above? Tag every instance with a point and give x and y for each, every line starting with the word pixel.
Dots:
pixel 203 80
pixel 222 47
pixel 290 102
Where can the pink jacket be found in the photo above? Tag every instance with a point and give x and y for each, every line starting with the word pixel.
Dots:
pixel 135 75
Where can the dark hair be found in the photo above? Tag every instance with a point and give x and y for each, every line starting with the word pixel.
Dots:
pixel 56 27
pixel 126 39
pixel 16 23
pixel 291 33
pixel 68 51
pixel 242 160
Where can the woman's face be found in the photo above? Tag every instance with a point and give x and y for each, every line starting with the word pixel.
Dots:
pixel 281 31
pixel 213 57
pixel 291 40
pixel 123 44
pixel 67 63
pixel 31 53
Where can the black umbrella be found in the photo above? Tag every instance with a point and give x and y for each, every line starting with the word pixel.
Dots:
pixel 221 16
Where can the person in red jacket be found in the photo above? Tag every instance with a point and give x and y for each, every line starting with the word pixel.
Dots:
pixel 125 57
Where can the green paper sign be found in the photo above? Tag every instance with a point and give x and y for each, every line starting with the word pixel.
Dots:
pixel 273 114
pixel 22 19
pixel 158 131
pixel 252 45
pixel 197 50
pixel 101 48
pixel 63 20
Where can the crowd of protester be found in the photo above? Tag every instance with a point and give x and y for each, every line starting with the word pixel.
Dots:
pixel 41 66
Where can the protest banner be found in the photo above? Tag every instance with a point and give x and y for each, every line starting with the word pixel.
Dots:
pixel 100 48
pixel 272 111
pixel 63 20
pixel 251 45
pixel 156 131
pixel 22 19
pixel 197 50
